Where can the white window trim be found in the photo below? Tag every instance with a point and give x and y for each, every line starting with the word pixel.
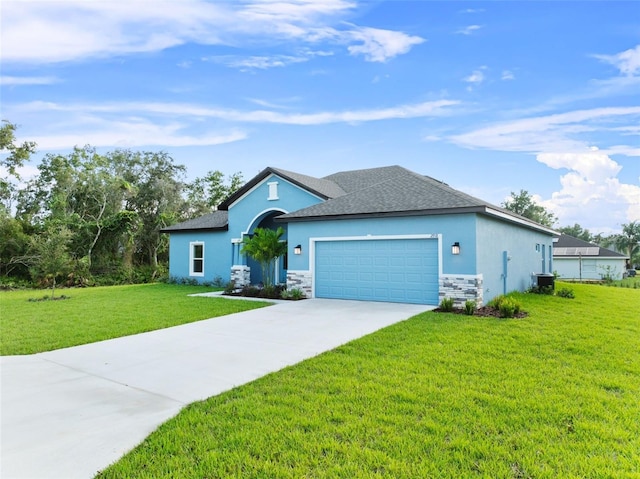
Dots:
pixel 192 258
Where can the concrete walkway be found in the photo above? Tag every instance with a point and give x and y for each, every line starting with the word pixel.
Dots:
pixel 70 413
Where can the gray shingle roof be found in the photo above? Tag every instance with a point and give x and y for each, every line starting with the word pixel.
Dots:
pixel 324 186
pixel 389 190
pixel 568 246
pixel 355 180
pixel 218 220
pixel 384 191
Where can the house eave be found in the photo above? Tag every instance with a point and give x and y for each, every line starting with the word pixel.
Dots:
pixel 519 220
pixel 385 214
pixel 192 230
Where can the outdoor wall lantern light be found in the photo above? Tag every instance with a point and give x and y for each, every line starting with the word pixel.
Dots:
pixel 297 249
pixel 455 248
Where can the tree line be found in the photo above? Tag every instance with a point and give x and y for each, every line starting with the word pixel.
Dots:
pixel 627 242
pixel 86 216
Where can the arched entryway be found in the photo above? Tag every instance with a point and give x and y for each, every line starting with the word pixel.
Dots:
pixel 267 221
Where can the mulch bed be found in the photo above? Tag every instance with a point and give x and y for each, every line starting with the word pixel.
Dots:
pixel 485 311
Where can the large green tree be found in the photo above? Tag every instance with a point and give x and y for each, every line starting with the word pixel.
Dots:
pixel 157 186
pixel 204 194
pixel 629 241
pixel 265 246
pixel 12 156
pixel 577 232
pixel 14 243
pixel 522 203
pixel 80 191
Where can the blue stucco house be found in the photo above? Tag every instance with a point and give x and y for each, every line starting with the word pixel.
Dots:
pixel 380 234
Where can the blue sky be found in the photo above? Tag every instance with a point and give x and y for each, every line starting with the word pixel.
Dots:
pixel 490 97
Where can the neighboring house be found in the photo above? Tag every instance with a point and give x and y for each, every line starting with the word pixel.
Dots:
pixel 577 259
pixel 381 234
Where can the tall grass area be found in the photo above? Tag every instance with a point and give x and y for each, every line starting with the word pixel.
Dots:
pixel 556 394
pixel 96 314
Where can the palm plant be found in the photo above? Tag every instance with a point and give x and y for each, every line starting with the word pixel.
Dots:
pixel 265 246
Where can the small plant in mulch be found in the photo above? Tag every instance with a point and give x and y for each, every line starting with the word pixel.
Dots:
pixel 294 294
pixel 446 305
pixel 499 307
pixel 48 298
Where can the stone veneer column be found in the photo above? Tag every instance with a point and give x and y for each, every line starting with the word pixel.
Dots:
pixel 300 280
pixel 240 276
pixel 461 288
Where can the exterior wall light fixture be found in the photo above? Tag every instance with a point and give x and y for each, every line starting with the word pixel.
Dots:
pixel 297 249
pixel 455 248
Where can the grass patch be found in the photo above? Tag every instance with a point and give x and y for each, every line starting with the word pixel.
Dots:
pixel 95 314
pixel 440 395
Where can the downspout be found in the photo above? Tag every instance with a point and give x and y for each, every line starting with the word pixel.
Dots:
pixel 505 269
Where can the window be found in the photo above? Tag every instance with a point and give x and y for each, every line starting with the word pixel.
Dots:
pixel 196 259
pixel 538 247
pixel 273 190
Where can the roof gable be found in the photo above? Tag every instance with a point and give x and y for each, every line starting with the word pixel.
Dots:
pixel 324 189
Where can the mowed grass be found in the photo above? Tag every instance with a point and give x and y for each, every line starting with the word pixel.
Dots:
pixel 556 394
pixel 96 314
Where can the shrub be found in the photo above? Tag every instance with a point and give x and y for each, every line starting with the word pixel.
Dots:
pixel 250 291
pixel 541 290
pixel 218 282
pixel 495 302
pixel 294 294
pixel 506 305
pixel 509 308
pixel 446 304
pixel 469 307
pixel 230 287
pixel 566 293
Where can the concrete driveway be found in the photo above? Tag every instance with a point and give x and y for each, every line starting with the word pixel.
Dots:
pixel 70 413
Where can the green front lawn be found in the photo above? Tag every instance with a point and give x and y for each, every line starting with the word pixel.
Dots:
pixel 556 394
pixel 96 314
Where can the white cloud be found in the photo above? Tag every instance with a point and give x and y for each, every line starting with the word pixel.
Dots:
pixel 416 110
pixel 628 61
pixel 507 75
pixel 591 193
pixel 381 45
pixel 556 133
pixel 133 132
pixel 476 77
pixel 591 190
pixel 468 30
pixel 14 80
pixel 255 62
pixel 70 30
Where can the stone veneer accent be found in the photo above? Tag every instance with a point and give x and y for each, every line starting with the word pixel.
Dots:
pixel 300 280
pixel 240 276
pixel 461 288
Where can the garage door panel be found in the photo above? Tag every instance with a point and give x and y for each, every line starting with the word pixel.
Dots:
pixel 398 270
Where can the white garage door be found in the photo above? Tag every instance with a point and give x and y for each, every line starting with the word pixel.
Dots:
pixel 394 270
